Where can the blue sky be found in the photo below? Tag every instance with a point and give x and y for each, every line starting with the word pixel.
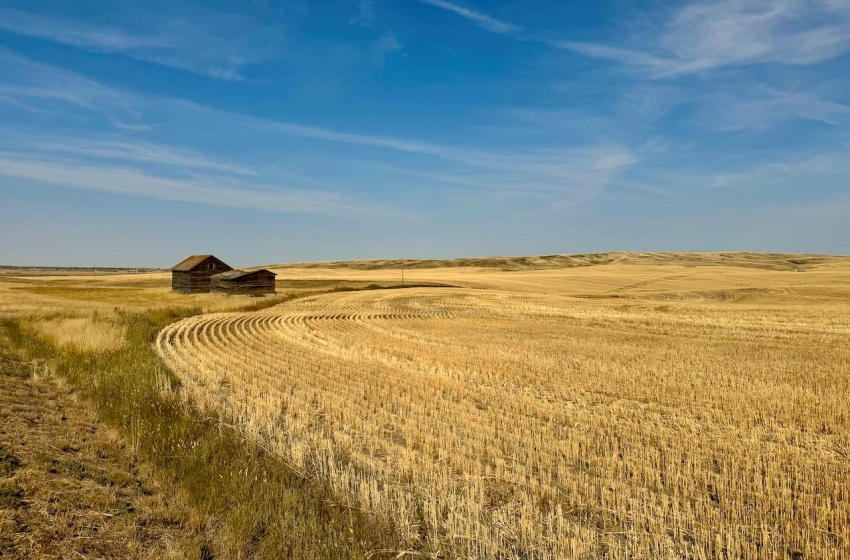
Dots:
pixel 137 133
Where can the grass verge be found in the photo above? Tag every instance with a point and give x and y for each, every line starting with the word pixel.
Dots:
pixel 250 504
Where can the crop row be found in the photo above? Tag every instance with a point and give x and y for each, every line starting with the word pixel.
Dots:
pixel 502 425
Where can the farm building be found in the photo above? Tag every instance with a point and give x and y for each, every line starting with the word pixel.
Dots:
pixel 192 276
pixel 243 282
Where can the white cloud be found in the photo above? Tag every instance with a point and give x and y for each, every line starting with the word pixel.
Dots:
pixel 654 64
pixel 107 39
pixel 759 107
pixel 210 44
pixel 553 172
pixel 119 149
pixel 828 170
pixel 134 127
pixel 210 191
pixel 544 182
pixel 24 81
pixel 705 35
pixel 708 34
pixel 365 14
pixel 556 164
pixel 388 44
pixel 712 34
pixel 481 20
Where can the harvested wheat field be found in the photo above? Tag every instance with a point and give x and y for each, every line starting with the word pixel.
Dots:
pixel 623 410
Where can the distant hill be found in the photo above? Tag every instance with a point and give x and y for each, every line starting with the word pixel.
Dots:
pixel 74 270
pixel 770 261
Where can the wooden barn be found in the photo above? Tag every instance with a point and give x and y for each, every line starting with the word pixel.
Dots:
pixel 192 276
pixel 246 283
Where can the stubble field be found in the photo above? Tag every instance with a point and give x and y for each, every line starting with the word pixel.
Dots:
pixel 622 410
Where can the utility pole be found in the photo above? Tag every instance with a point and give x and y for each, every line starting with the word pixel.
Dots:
pixel 402 273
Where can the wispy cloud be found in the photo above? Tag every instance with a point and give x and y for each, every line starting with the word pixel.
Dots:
pixel 478 18
pixel 656 65
pixel 758 107
pixel 209 191
pixel 134 127
pixel 365 14
pixel 101 38
pixel 209 44
pixel 717 33
pixel 118 149
pixel 553 163
pixel 704 35
pixel 541 183
pixel 553 173
pixel 388 44
pixel 824 171
pixel 25 81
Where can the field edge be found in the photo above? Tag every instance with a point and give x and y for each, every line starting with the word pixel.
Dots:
pixel 249 503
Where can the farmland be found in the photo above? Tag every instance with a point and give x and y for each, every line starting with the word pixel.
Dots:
pixel 620 406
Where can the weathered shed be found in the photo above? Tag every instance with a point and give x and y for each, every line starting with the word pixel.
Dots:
pixel 192 276
pixel 244 282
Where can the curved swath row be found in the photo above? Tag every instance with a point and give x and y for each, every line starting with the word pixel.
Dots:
pixel 291 357
pixel 470 418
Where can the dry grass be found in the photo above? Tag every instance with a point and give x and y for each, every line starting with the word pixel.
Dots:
pixel 617 279
pixel 74 295
pixel 69 487
pixel 83 334
pixel 80 295
pixel 645 406
pixel 767 261
pixel 235 500
pixel 498 424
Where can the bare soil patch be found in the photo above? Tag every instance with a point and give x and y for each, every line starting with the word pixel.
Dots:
pixel 69 488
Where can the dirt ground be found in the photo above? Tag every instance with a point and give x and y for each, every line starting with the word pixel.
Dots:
pixel 69 487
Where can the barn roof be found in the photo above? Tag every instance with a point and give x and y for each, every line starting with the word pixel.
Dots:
pixel 190 263
pixel 234 274
pixel 193 261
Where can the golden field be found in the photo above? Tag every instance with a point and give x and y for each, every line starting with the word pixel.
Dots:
pixel 634 406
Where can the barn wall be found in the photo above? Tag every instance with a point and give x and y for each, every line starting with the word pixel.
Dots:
pixel 182 281
pixel 197 280
pixel 191 282
pixel 220 266
pixel 257 284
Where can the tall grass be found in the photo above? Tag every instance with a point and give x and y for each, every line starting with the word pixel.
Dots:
pixel 252 504
pixel 84 334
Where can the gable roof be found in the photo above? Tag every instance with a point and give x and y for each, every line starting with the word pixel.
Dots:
pixel 234 274
pixel 193 261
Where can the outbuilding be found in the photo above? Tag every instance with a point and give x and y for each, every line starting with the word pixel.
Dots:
pixel 192 276
pixel 244 282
